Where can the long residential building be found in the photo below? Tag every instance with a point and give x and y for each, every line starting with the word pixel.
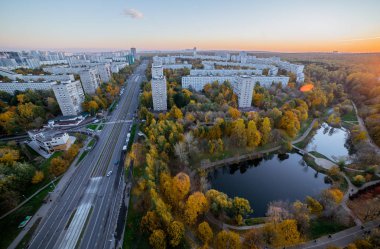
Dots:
pixel 159 94
pixel 198 82
pixel 11 87
pixel 44 77
pixel 224 72
pixel 70 97
pixel 90 80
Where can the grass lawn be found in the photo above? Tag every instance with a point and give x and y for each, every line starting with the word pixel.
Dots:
pixel 81 157
pixel 350 117
pixel 44 167
pixel 319 155
pixel 254 221
pixel 91 143
pixel 133 238
pixel 92 126
pixel 8 225
pixel 321 227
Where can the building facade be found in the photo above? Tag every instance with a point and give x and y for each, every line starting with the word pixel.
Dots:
pixel 104 71
pixel 159 94
pixel 90 80
pixel 50 140
pixel 23 86
pixel 70 97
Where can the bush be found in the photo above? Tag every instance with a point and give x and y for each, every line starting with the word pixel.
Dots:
pixel 359 180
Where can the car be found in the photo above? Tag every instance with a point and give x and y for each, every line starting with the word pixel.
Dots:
pixel 109 173
pixel 116 163
pixel 124 148
pixel 128 135
pixel 96 121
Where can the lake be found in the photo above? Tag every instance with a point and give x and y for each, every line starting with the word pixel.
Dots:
pixel 331 142
pixel 276 177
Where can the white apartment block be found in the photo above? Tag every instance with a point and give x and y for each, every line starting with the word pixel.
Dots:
pixel 70 97
pixel 177 66
pixel 117 66
pixel 241 84
pixel 23 86
pixel 37 78
pixel 90 80
pixel 198 82
pixel 63 70
pixel 165 60
pixel 243 88
pixel 104 71
pixel 32 62
pixel 159 93
pixel 45 77
pixel 224 72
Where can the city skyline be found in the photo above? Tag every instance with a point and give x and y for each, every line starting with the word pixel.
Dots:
pixel 278 26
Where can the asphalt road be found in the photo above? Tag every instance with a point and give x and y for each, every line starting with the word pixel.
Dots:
pixel 85 212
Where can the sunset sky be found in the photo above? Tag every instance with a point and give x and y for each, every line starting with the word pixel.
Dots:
pixel 274 25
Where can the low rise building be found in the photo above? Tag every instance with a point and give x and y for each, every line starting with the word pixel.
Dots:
pixel 51 140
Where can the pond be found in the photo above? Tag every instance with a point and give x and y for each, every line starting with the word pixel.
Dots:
pixel 331 142
pixel 276 177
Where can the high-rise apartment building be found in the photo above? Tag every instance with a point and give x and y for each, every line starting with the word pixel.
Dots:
pixel 70 97
pixel 159 93
pixel 90 80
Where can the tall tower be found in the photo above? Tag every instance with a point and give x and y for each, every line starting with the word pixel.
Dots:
pixel 195 51
pixel 159 93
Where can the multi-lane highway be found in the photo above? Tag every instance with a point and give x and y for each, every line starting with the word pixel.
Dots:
pixel 85 212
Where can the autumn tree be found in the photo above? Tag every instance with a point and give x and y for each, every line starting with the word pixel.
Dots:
pixel 205 232
pixel 240 208
pixel 150 222
pixel 158 239
pixel 227 240
pixel 234 113
pixel 196 205
pixel 38 177
pixel 290 123
pixel 265 130
pixel 253 239
pixel 314 206
pixel 253 135
pixel 176 231
pixel 284 233
pixel 238 135
pixel 219 201
pixel 58 166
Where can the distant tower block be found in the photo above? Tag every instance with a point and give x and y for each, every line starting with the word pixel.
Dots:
pixel 195 51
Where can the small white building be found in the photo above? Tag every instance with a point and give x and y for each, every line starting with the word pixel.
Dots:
pixel 51 140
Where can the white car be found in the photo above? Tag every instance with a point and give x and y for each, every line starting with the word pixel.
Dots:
pixel 128 135
pixel 109 173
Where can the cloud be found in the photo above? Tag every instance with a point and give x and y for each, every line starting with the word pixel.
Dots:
pixel 132 13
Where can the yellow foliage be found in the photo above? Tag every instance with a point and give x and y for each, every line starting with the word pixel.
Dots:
pixel 176 231
pixel 158 239
pixel 38 177
pixel 196 205
pixel 228 240
pixel 205 232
